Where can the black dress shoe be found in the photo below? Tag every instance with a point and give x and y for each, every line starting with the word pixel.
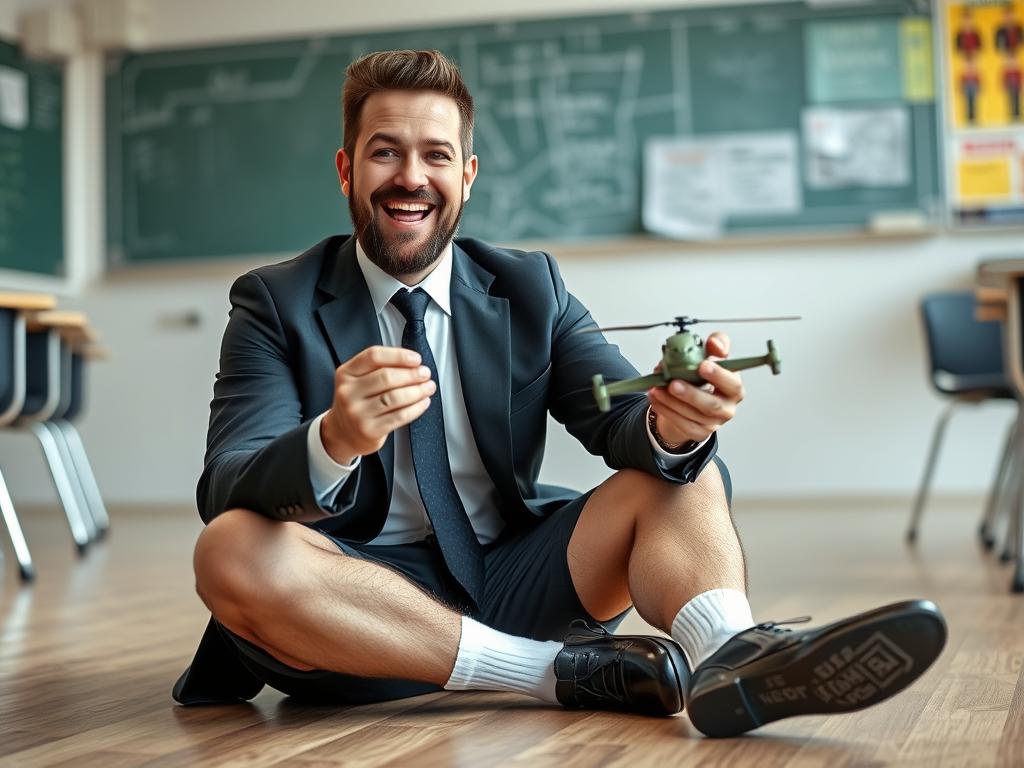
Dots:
pixel 767 672
pixel 631 673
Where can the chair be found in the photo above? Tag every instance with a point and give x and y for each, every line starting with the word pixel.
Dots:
pixel 966 363
pixel 16 310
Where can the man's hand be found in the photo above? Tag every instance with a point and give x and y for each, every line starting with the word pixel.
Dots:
pixel 687 412
pixel 375 393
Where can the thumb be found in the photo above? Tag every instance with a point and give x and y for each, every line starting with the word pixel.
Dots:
pixel 718 345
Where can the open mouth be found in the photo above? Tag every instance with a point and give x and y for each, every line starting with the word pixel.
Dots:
pixel 407 213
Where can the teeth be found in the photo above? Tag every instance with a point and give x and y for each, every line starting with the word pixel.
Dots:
pixel 409 206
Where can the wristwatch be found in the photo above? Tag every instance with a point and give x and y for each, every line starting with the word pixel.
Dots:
pixel 681 448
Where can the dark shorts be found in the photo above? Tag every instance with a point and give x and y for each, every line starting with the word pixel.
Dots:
pixel 529 593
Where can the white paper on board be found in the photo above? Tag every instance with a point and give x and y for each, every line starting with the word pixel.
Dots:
pixel 857 147
pixel 692 185
pixel 681 197
pixel 13 98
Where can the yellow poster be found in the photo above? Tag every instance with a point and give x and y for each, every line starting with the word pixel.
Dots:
pixel 985 51
pixel 980 180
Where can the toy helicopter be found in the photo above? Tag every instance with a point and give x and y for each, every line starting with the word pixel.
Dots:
pixel 681 356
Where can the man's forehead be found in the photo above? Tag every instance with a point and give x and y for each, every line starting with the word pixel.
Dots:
pixel 414 111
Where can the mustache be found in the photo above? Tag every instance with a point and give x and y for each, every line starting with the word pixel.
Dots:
pixel 406 196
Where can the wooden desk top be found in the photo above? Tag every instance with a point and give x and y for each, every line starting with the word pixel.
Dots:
pixel 61 319
pixel 30 301
pixel 994 273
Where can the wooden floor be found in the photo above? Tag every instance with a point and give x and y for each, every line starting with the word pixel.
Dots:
pixel 89 653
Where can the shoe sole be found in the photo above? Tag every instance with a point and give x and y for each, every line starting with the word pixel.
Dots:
pixel 851 665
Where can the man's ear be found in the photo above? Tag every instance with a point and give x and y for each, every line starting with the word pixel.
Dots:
pixel 468 176
pixel 344 165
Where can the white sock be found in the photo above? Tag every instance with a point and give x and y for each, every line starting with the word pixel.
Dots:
pixel 490 660
pixel 704 624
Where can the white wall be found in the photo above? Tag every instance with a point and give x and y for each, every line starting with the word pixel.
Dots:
pixel 851 413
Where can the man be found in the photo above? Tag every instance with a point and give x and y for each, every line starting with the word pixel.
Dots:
pixel 375 528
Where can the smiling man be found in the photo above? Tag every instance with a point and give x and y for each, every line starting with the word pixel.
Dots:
pixel 375 527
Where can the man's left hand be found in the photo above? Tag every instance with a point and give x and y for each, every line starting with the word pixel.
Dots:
pixel 688 412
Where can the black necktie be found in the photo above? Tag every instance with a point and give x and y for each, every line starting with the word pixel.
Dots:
pixel 455 536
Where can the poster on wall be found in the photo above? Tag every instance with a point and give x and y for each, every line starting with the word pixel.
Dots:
pixel 983 52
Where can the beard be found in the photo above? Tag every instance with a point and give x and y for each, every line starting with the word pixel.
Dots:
pixel 386 250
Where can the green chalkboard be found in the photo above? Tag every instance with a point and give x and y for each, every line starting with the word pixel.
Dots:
pixel 229 151
pixel 31 165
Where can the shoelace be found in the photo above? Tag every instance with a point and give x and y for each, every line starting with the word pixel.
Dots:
pixel 605 682
pixel 776 626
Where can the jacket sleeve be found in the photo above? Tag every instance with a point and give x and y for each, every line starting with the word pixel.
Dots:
pixel 619 436
pixel 256 452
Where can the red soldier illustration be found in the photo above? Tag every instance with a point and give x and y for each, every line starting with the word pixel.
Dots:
pixel 1009 33
pixel 967 40
pixel 970 86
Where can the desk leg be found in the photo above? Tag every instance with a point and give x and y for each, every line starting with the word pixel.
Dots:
pixel 1013 347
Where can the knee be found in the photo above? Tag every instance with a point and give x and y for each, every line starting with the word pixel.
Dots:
pixel 236 561
pixel 711 486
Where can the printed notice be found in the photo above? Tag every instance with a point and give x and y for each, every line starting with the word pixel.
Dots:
pixel 857 147
pixel 13 98
pixel 681 197
pixel 692 186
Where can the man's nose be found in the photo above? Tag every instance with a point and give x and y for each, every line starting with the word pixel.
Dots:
pixel 411 174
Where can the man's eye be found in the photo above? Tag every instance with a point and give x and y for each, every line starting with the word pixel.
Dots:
pixel 385 153
pixel 442 156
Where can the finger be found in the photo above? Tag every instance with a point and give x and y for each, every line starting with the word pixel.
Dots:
pixel 402 416
pixel 710 404
pixel 671 407
pixel 385 379
pixel 718 344
pixel 397 399
pixel 727 383
pixel 372 358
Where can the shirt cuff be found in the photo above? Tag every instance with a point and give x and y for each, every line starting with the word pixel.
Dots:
pixel 668 460
pixel 325 474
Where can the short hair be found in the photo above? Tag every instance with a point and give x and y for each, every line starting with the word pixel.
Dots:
pixel 403 71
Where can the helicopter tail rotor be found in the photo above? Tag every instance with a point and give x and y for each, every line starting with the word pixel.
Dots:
pixel 774 361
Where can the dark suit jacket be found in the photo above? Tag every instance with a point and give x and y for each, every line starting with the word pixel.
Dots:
pixel 520 357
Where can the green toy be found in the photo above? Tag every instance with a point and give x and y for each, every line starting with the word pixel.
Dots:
pixel 681 355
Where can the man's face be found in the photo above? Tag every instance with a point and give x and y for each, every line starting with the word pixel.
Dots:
pixel 408 180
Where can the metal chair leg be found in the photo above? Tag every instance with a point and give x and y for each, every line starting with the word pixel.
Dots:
pixel 77 486
pixel 84 468
pixel 1010 542
pixel 63 484
pixel 18 542
pixel 1017 585
pixel 997 492
pixel 929 469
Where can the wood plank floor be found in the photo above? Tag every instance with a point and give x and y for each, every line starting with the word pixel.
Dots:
pixel 89 653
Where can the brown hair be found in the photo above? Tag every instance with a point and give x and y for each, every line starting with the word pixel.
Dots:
pixel 403 71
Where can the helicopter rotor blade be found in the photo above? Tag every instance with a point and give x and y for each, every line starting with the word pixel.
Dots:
pixel 624 327
pixel 748 319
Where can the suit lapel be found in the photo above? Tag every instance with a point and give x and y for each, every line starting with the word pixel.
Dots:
pixel 483 344
pixel 349 322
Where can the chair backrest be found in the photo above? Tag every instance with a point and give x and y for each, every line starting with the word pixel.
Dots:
pixel 964 353
pixel 7 361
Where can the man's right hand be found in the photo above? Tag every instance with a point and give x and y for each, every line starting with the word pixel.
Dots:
pixel 375 393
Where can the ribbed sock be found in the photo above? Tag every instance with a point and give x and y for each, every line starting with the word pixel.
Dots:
pixel 704 624
pixel 490 660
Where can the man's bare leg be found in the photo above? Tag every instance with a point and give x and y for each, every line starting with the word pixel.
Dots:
pixel 657 545
pixel 288 590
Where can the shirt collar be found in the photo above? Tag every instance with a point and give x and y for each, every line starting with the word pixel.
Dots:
pixel 437 284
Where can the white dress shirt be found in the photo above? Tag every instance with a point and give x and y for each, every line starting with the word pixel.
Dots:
pixel 407 519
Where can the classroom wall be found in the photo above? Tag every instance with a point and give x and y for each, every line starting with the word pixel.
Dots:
pixel 851 413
